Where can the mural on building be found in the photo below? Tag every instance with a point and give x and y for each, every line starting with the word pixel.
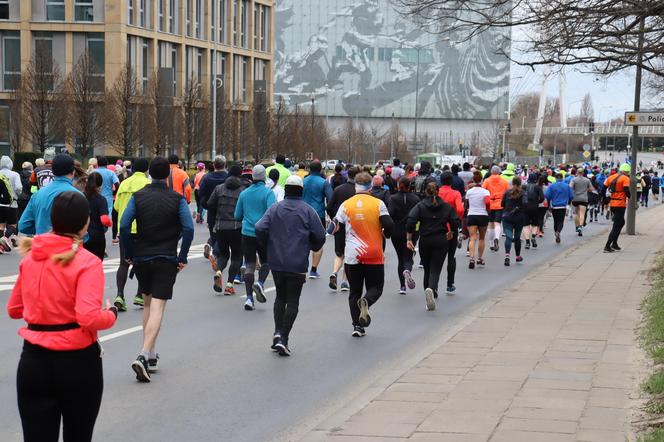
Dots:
pixel 360 58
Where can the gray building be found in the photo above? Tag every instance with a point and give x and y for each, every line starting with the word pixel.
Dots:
pixel 361 59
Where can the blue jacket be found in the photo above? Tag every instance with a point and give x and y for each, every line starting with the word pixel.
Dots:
pixel 317 190
pixel 292 222
pixel 559 194
pixel 252 205
pixel 36 218
pixel 208 183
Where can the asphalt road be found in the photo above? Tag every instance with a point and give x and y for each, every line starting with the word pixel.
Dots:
pixel 218 379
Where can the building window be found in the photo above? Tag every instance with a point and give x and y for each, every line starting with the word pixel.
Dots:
pixel 199 66
pixel 11 63
pixel 145 65
pixel 44 53
pixel 55 10
pixel 257 28
pixel 4 9
pixel 236 9
pixel 187 14
pixel 223 7
pixel 369 53
pixel 130 12
pixel 199 18
pixel 141 13
pixel 160 12
pixel 384 54
pixel 174 63
pixel 244 23
pixel 264 44
pixel 171 16
pixel 130 58
pixel 240 66
pixel 94 43
pixel 83 10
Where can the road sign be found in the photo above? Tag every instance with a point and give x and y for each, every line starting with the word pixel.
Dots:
pixel 309 156
pixel 586 147
pixel 644 118
pixel 586 154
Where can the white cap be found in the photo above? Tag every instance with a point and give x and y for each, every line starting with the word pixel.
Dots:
pixel 294 180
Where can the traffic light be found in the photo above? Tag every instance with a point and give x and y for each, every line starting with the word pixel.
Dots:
pixel 591 127
pixel 509 127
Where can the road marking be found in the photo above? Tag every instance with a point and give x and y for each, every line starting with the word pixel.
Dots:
pixel 138 328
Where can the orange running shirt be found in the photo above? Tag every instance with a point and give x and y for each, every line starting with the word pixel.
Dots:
pixel 497 186
pixel 364 233
pixel 619 197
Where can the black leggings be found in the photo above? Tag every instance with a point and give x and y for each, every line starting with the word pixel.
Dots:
pixel 96 245
pixel 404 255
pixel 433 250
pixel 249 249
pixel 287 301
pixel 451 259
pixel 55 385
pixel 229 243
pixel 618 223
pixel 122 273
pixel 116 223
pixel 558 219
pixel 360 275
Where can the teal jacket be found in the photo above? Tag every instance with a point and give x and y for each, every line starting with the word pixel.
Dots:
pixel 36 218
pixel 252 205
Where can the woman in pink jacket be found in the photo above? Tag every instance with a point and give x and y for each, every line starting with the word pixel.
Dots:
pixel 59 294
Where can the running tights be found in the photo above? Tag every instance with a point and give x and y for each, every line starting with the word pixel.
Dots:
pixel 360 275
pixel 404 255
pixel 451 259
pixel 122 273
pixel 287 301
pixel 59 385
pixel 512 235
pixel 618 223
pixel 229 243
pixel 558 219
pixel 249 249
pixel 433 250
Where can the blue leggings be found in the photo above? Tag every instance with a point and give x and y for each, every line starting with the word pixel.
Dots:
pixel 512 235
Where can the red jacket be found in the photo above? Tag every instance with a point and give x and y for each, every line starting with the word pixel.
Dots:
pixel 453 198
pixel 47 293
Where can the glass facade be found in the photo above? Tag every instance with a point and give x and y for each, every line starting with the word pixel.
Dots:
pixel 11 60
pixel 55 10
pixel 83 10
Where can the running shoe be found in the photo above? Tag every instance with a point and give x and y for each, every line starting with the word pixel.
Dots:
pixel 345 287
pixel 140 367
pixel 115 241
pixel 282 348
pixel 365 319
pixel 249 304
pixel 402 290
pixel 450 289
pixel 533 243
pixel 410 282
pixel 507 261
pixel 138 300
pixel 217 282
pixel 314 275
pixel 14 240
pixel 237 279
pixel 259 291
pixel 430 301
pixel 578 231
pixel 519 259
pixel 120 304
pixel 243 269
pixel 467 253
pixel 358 332
pixel 229 290
pixel 207 249
pixel 480 262
pixel 333 281
pixel 153 364
pixel 5 245
pixel 496 245
pixel 608 249
pixel 616 248
pixel 459 242
pixel 275 338
pixel 557 237
pixel 471 264
pixel 213 262
pixel 527 244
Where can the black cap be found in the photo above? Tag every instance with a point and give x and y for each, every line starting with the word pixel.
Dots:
pixel 70 212
pixel 235 171
pixel 141 165
pixel 159 168
pixel 63 164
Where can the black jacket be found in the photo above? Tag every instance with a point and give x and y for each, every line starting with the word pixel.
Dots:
pixel 434 219
pixel 157 221
pixel 381 194
pixel 26 193
pixel 459 185
pixel 401 203
pixel 222 204
pixel 514 208
pixel 339 196
pixel 98 207
pixel 208 183
pixel 535 195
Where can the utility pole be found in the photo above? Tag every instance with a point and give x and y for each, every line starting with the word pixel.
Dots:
pixel 214 84
pixel 631 208
pixel 417 96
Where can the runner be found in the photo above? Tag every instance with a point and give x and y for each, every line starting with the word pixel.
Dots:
pixel 251 206
pixel 581 186
pixel 36 218
pixel 559 195
pixel 272 183
pixel 207 185
pixel 162 218
pixel 478 202
pixel 379 191
pixel 99 219
pixel 437 223
pixel 654 180
pixel 293 222
pixel 422 179
pixel 452 197
pixel 280 165
pixel 497 186
pixel 535 197
pixel 10 189
pixel 367 222
pixel 43 174
pixel 178 180
pixel 337 179
pixel 340 195
pixel 227 229
pixel 317 193
pixel 110 181
pixel 647 185
pixel 401 203
pixel 59 294
pixel 198 214
pixel 515 203
pixel 397 171
pixel 25 195
pixel 618 185
pixel 137 181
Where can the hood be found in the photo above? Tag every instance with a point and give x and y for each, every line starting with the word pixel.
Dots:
pixel 428 203
pixel 6 162
pixel 49 244
pixel 233 182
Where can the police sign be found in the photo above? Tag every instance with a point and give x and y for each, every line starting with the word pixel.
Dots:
pixel 644 118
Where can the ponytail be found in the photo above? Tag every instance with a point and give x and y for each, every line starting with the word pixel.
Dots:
pixel 65 258
pixel 432 191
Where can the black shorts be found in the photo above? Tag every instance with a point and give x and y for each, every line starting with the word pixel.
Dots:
pixel 157 277
pixel 340 241
pixel 478 220
pixel 495 216
pixel 580 203
pixel 8 215
pixel 532 218
pixel 250 248
pixel 655 190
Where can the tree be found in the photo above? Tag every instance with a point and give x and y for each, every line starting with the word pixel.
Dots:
pixel 587 112
pixel 160 107
pixel 84 98
pixel 123 113
pixel 41 97
pixel 11 120
pixel 348 133
pixel 195 120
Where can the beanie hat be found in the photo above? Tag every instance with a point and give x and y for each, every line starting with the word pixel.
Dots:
pixel 159 168
pixel 235 171
pixel 625 167
pixel 294 180
pixel 63 164
pixel 258 173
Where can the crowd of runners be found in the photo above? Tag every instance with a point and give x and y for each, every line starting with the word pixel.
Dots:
pixel 260 221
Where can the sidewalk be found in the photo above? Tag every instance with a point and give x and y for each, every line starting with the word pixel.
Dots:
pixel 553 358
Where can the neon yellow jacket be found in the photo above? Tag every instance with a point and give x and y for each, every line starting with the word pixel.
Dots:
pixel 127 188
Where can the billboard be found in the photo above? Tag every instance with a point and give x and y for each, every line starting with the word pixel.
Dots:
pixel 361 58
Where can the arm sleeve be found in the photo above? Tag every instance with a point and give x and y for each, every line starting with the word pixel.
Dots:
pixel 187 190
pixel 18 185
pixel 26 224
pixel 271 199
pixel 459 207
pixel 202 193
pixel 239 214
pixel 413 218
pixel 330 206
pixel 211 202
pixel 128 217
pixel 187 231
pixel 89 295
pixel 341 215
pixel 455 221
pixel 15 301
pixel 327 188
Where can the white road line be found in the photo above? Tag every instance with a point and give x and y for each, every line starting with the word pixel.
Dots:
pixel 138 328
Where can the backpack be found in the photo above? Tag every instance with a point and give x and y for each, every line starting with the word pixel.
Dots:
pixel 419 184
pixel 533 196
pixel 613 186
pixel 6 191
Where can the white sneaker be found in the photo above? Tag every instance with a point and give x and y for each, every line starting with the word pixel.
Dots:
pixel 430 301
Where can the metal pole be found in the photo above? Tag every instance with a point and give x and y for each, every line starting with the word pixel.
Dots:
pixel 214 85
pixel 555 146
pixel 417 96
pixel 392 141
pixel 631 208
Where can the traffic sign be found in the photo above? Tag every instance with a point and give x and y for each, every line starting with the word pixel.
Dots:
pixel 644 118
pixel 586 154
pixel 586 147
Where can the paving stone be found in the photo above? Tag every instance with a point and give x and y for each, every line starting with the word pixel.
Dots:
pixel 530 436
pixel 604 418
pixel 382 428
pixel 542 425
pixel 454 421
pixel 448 437
pixel 586 435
